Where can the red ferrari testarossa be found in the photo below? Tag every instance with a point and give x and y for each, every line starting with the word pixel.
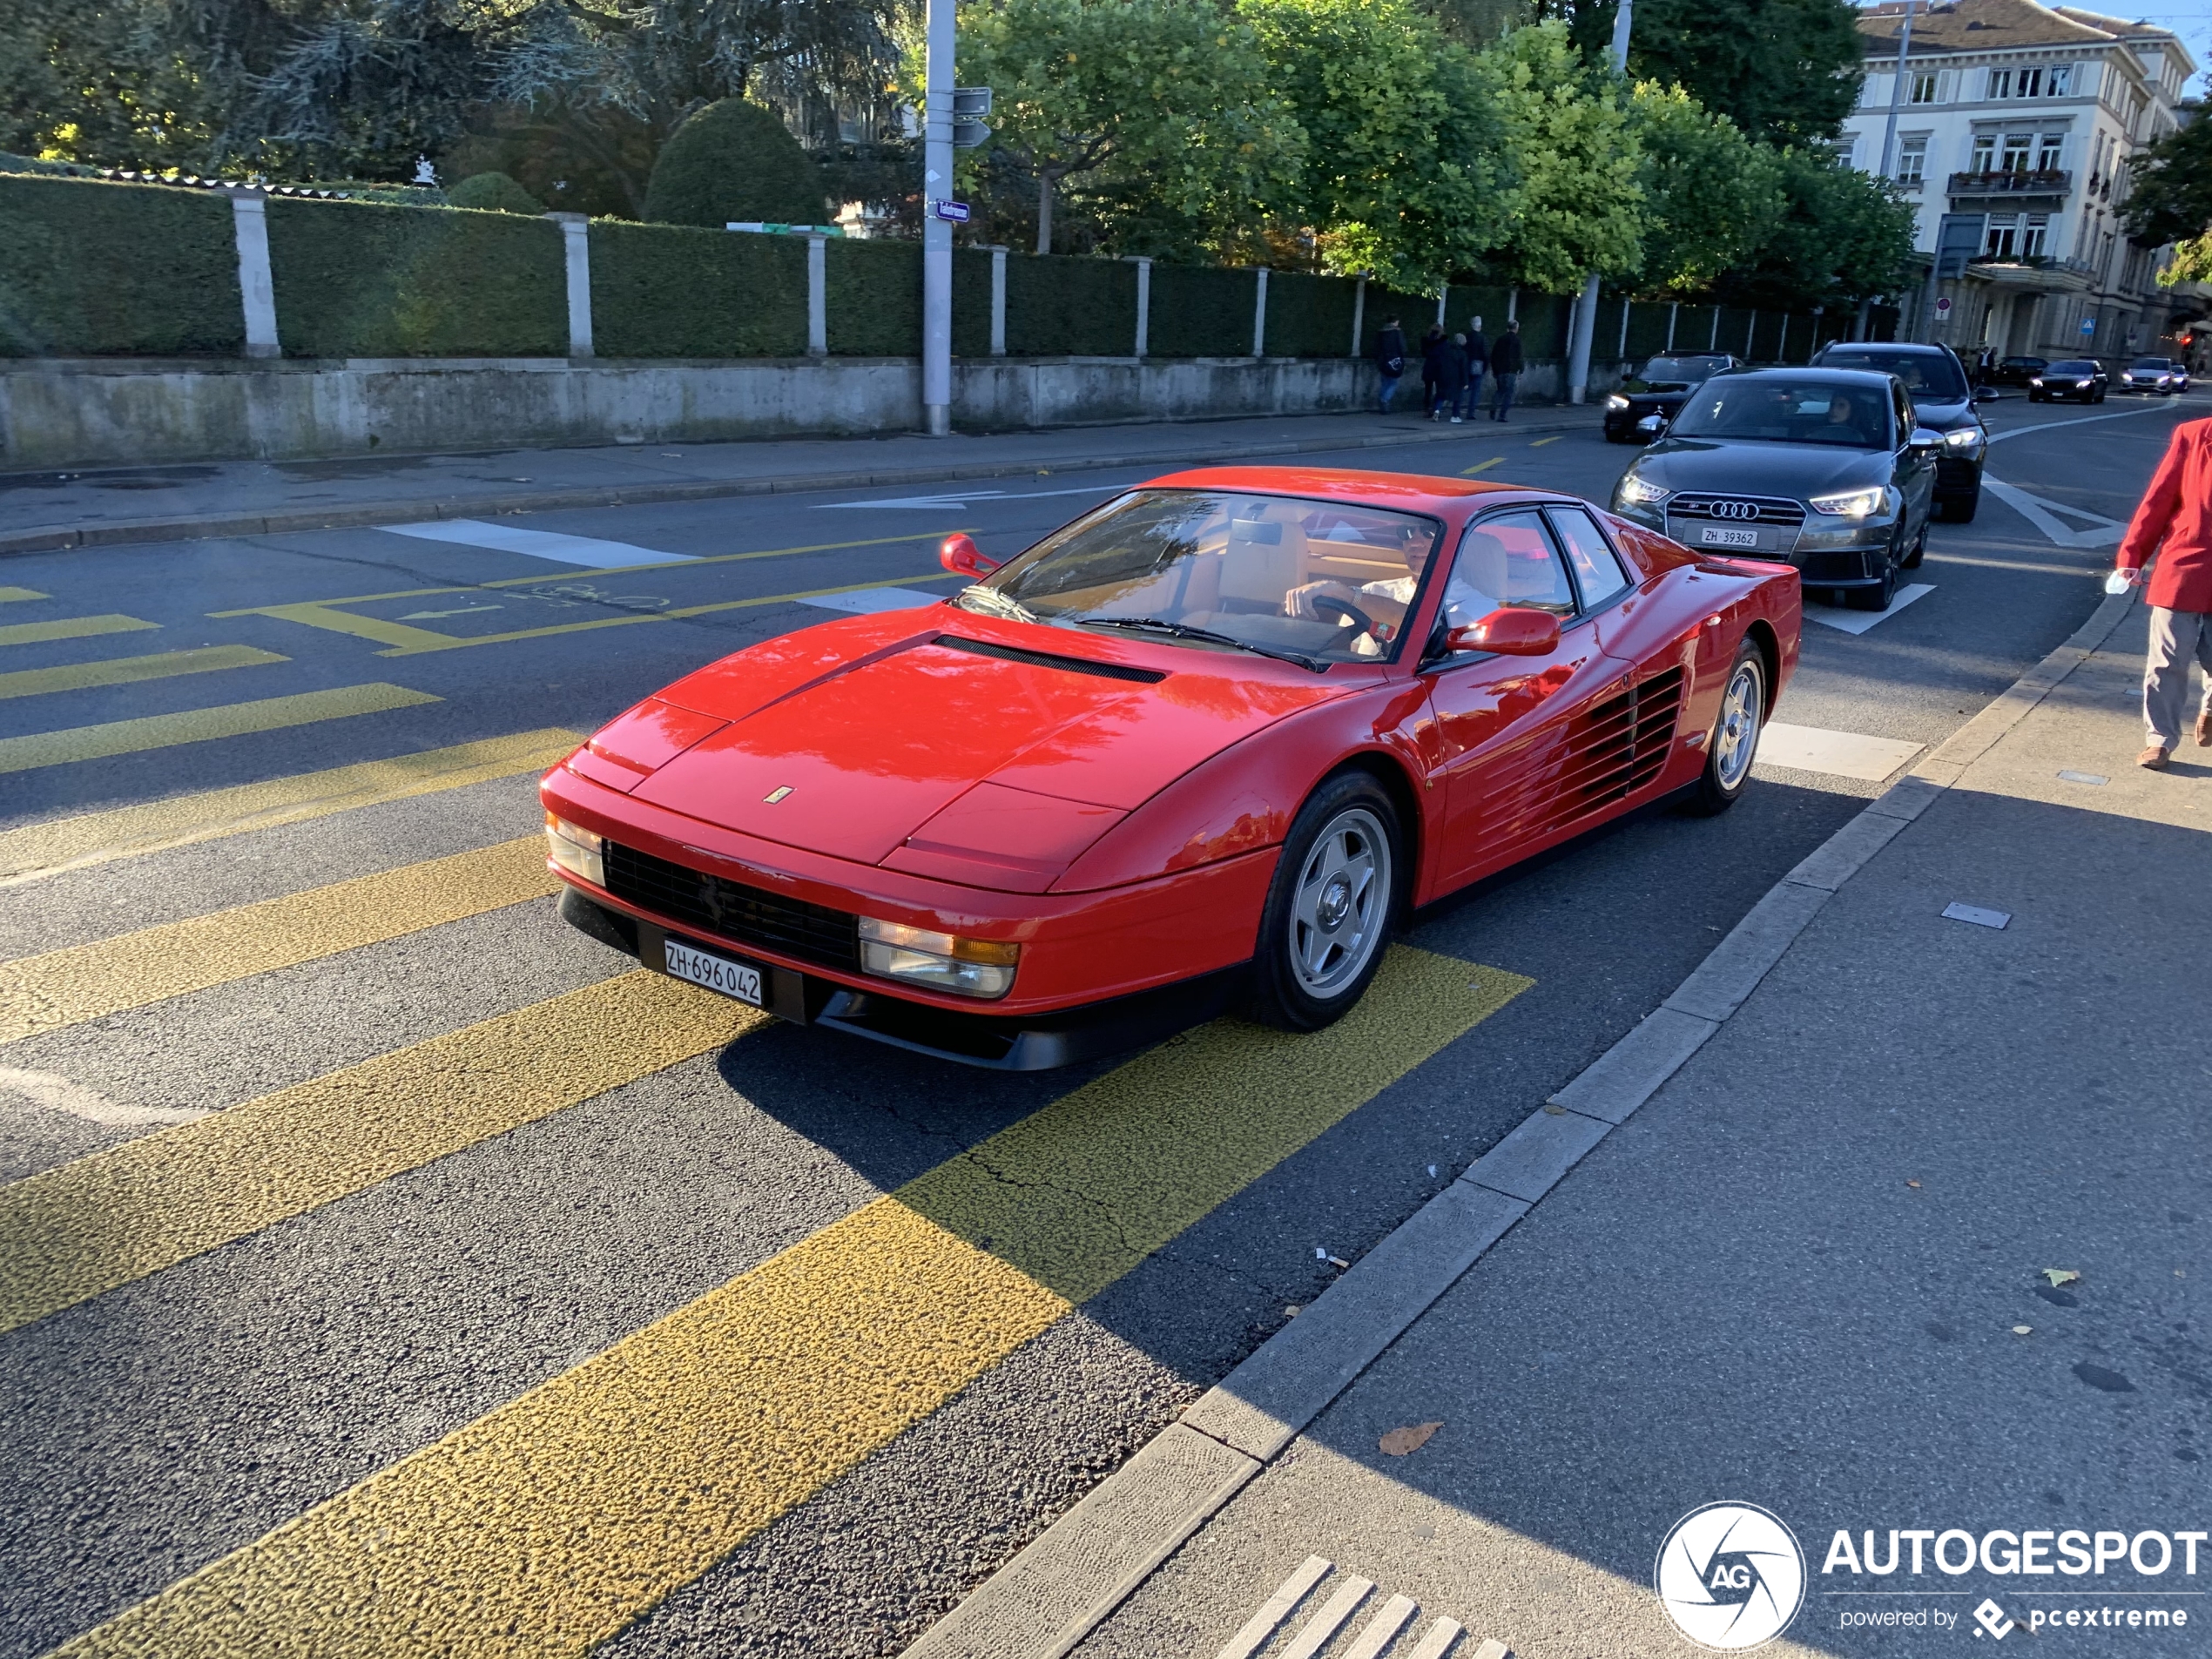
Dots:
pixel 1201 748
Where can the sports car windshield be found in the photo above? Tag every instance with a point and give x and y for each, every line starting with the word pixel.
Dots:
pixel 1681 370
pixel 1781 411
pixel 1932 375
pixel 1317 582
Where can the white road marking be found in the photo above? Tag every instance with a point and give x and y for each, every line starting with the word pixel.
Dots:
pixel 2042 513
pixel 458 611
pixel 2078 420
pixel 1326 1624
pixel 868 601
pixel 56 1094
pixel 1380 1630
pixel 956 501
pixel 586 550
pixel 1841 754
pixel 1443 1634
pixel 1249 1640
pixel 1858 622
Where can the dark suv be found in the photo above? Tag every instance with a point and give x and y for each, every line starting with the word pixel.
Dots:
pixel 1942 400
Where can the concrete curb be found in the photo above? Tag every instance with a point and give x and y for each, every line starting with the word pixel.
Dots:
pixel 1036 1608
pixel 201 526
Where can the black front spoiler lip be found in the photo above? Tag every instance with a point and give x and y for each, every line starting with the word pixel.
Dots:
pixel 994 1042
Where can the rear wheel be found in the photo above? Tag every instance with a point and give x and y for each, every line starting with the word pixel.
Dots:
pixel 1330 908
pixel 1734 740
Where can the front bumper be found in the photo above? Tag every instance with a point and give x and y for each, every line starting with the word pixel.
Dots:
pixel 1957 475
pixel 1848 555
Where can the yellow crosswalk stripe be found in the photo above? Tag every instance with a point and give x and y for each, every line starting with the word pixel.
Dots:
pixel 10 595
pixel 129 670
pixel 33 633
pixel 71 1233
pixel 201 725
pixel 68 987
pixel 554 1522
pixel 40 850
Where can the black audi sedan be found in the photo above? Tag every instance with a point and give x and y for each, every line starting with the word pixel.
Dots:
pixel 1825 468
pixel 2080 378
pixel 1648 398
pixel 1942 401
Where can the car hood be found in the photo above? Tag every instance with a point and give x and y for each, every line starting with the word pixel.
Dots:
pixel 1942 417
pixel 997 766
pixel 1797 469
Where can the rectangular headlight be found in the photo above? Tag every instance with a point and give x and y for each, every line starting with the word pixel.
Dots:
pixel 1851 503
pixel 978 967
pixel 576 850
pixel 1614 400
pixel 1965 437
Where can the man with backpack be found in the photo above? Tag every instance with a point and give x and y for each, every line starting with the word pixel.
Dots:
pixel 1389 354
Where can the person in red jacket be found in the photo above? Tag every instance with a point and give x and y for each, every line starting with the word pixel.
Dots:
pixel 2174 522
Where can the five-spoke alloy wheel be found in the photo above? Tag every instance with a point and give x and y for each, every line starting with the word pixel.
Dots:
pixel 1331 906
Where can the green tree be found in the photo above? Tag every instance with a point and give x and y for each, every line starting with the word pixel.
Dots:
pixel 1408 170
pixel 1842 236
pixel 1162 91
pixel 1581 205
pixel 493 192
pixel 1711 195
pixel 1786 72
pixel 734 161
pixel 2172 198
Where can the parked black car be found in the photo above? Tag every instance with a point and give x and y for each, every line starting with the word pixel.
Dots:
pixel 1648 399
pixel 2016 371
pixel 1942 401
pixel 2161 376
pixel 2082 379
pixel 1825 468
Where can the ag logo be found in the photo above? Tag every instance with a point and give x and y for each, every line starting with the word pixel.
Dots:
pixel 1731 1577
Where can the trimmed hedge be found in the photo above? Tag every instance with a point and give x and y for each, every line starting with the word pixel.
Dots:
pixel 1057 306
pixel 88 268
pixel 871 294
pixel 360 280
pixel 731 162
pixel 1201 312
pixel 670 291
pixel 1308 316
pixel 972 301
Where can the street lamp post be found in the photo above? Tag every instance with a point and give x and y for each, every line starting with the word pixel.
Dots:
pixel 937 232
pixel 1578 350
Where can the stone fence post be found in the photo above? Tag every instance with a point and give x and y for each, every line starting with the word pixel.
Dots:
pixel 575 248
pixel 1144 306
pixel 250 227
pixel 998 300
pixel 818 296
pixel 1259 315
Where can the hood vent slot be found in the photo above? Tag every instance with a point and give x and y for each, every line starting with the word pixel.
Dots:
pixel 1046 660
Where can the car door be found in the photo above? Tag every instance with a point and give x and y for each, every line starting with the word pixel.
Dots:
pixel 1501 721
pixel 1915 469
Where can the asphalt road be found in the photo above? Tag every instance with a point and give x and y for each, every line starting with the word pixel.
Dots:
pixel 452 1339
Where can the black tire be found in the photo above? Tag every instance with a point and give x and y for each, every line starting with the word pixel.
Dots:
pixel 1733 741
pixel 1876 598
pixel 1919 549
pixel 2035 397
pixel 1308 970
pixel 1956 509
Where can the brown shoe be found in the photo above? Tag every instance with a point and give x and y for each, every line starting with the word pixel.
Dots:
pixel 2204 730
pixel 2152 759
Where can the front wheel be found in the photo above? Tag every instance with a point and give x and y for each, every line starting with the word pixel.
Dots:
pixel 1876 598
pixel 1734 740
pixel 1920 546
pixel 1330 908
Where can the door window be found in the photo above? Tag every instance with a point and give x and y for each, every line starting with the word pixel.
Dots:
pixel 1506 560
pixel 1598 569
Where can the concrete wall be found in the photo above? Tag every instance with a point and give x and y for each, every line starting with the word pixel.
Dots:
pixel 123 412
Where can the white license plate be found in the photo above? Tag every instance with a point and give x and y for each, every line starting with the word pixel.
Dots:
pixel 716 972
pixel 1720 536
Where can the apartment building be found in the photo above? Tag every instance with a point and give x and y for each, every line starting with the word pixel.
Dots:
pixel 2011 127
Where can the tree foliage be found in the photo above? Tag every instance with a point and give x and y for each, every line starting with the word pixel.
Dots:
pixel 1711 195
pixel 1580 202
pixel 2172 198
pixel 1842 235
pixel 734 161
pixel 493 192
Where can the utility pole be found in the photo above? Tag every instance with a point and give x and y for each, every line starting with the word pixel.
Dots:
pixel 936 231
pixel 1578 350
pixel 1897 91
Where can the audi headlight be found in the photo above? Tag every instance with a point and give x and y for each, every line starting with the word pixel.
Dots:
pixel 1851 503
pixel 1965 437
pixel 1614 400
pixel 575 850
pixel 1635 489
pixel 978 967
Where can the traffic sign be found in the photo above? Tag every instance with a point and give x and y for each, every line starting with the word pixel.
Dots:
pixel 970 105
pixel 1943 305
pixel 951 213
pixel 2089 326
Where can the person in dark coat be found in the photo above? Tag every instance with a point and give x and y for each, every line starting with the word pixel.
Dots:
pixel 1432 345
pixel 1389 355
pixel 1478 363
pixel 1452 376
pixel 1505 369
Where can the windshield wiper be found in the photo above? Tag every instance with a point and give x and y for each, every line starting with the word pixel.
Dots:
pixel 1179 631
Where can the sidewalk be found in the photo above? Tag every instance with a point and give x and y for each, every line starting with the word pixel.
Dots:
pixel 1807 1274
pixel 41 511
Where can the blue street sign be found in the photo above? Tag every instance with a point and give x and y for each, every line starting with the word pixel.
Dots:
pixel 2088 325
pixel 951 213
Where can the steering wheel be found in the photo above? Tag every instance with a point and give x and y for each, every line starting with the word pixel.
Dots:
pixel 1327 604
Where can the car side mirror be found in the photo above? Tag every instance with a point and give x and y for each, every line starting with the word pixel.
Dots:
pixel 1985 394
pixel 1511 630
pixel 1925 441
pixel 1652 425
pixel 960 555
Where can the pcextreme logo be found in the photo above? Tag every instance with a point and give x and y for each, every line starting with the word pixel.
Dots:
pixel 1731 1577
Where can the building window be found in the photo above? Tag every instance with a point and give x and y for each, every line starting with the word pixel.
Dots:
pixel 1924 87
pixel 2001 83
pixel 2004 236
pixel 2029 83
pixel 1985 152
pixel 2047 152
pixel 2017 144
pixel 1912 161
pixel 2061 77
pixel 2035 236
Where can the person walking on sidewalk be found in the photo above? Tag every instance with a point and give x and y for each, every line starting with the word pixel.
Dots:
pixel 1478 363
pixel 1389 354
pixel 1431 351
pixel 1505 369
pixel 2174 522
pixel 1452 377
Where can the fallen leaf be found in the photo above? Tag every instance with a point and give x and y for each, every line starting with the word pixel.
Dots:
pixel 1292 1311
pixel 2059 1275
pixel 1555 1111
pixel 2022 1330
pixel 1912 1183
pixel 1400 1441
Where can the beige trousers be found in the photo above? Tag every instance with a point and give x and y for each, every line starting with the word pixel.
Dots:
pixel 2175 636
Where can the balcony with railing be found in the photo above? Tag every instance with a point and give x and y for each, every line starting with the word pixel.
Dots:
pixel 2008 184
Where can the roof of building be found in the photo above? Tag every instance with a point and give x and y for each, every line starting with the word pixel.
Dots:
pixel 1996 25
